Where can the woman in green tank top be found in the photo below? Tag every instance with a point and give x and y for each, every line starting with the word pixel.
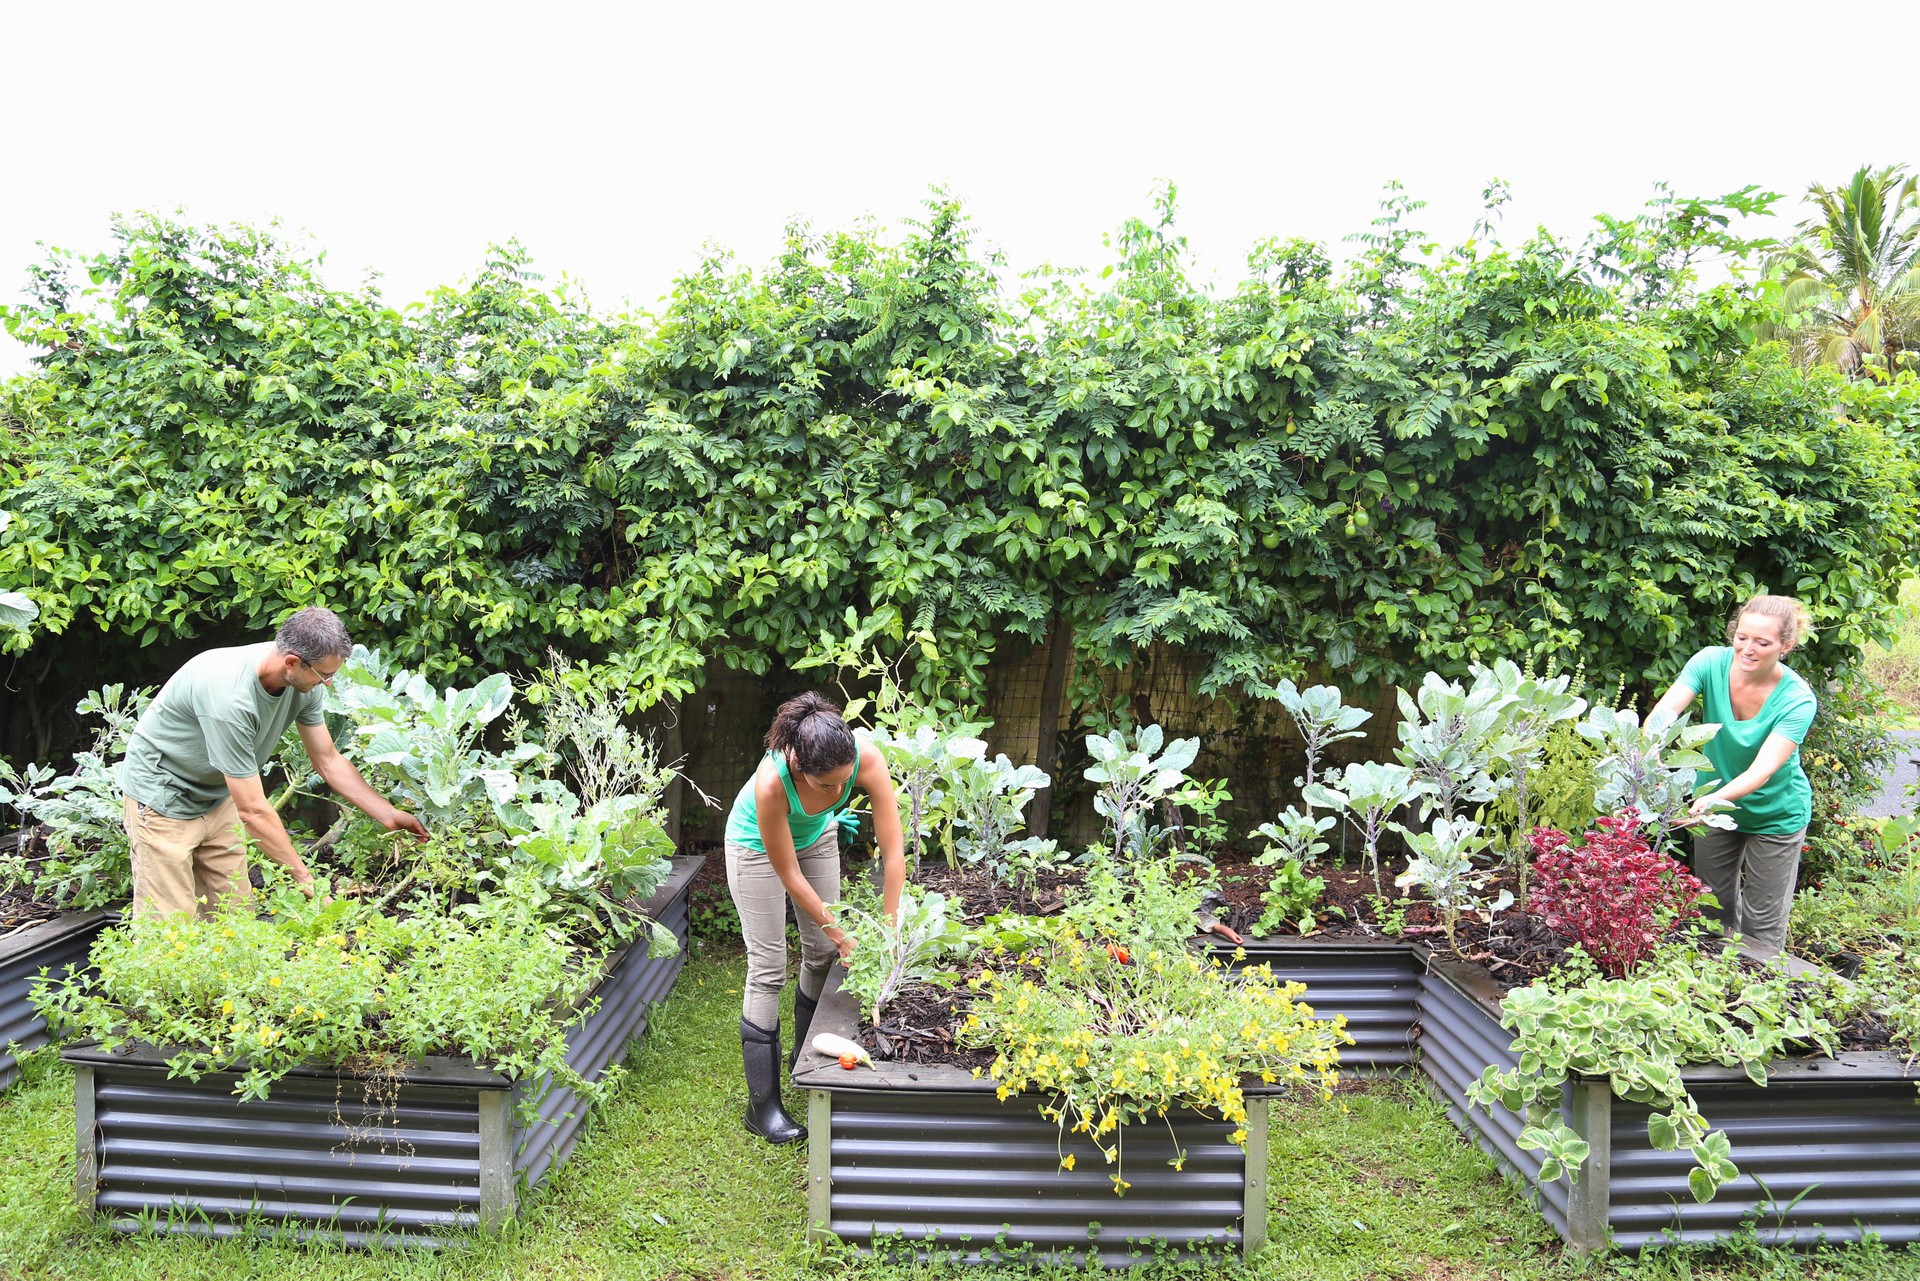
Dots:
pixel 783 845
pixel 1764 710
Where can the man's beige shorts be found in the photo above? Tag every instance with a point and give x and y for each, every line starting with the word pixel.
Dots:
pixel 186 864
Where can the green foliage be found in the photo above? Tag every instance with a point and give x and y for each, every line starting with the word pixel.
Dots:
pixel 1441 865
pixel 1134 777
pixel 1686 1005
pixel 1368 794
pixel 87 863
pixel 1451 739
pixel 1439 459
pixel 985 804
pixel 1143 906
pixel 1291 895
pixel 330 981
pixel 1847 755
pixel 1648 771
pixel 1321 719
pixel 889 954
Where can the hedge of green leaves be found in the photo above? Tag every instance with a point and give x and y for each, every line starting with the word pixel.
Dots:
pixel 1428 459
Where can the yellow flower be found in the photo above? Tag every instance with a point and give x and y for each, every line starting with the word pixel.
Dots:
pixel 226 1007
pixel 1238 1136
pixel 274 981
pixel 1066 1162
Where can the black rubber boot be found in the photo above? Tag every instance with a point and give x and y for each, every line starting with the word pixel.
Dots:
pixel 803 1008
pixel 760 1053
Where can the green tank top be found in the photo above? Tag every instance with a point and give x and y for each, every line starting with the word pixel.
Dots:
pixel 743 821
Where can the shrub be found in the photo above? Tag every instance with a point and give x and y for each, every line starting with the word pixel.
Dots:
pixel 1613 894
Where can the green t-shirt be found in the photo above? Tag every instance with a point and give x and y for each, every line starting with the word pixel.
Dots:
pixel 212 721
pixel 743 821
pixel 1784 803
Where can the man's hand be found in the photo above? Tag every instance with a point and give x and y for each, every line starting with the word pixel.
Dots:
pixel 398 820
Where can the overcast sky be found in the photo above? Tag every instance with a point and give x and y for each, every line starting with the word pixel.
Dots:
pixel 616 141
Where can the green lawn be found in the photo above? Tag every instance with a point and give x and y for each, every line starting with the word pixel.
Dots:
pixel 1374 1185
pixel 1897 670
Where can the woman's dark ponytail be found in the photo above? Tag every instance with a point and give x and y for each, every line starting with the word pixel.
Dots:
pixel 813 736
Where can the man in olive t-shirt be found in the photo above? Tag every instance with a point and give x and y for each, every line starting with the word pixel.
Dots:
pixel 192 772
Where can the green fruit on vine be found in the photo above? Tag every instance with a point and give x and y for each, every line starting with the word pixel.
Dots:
pixel 1429 478
pixel 1351 531
pixel 1413 487
pixel 1553 521
pixel 1290 427
pixel 1270 540
pixel 1361 519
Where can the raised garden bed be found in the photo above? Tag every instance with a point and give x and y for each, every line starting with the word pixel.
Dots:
pixel 924 1160
pixel 57 946
pixel 1829 1150
pixel 442 1147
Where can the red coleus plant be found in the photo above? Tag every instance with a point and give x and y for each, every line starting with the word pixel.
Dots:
pixel 1613 893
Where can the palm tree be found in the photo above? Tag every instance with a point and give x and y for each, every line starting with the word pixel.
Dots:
pixel 1851 285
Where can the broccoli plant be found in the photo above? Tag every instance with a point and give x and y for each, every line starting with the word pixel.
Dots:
pixel 1293 842
pixel 1367 794
pixel 985 803
pixel 87 863
pixel 1649 771
pixel 888 956
pixel 1134 777
pixel 1318 715
pixel 920 764
pixel 1538 704
pixel 1451 737
pixel 1442 867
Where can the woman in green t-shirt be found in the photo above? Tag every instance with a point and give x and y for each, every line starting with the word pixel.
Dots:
pixel 1764 710
pixel 783 844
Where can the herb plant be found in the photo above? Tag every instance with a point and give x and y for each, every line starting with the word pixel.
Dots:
pixel 1290 896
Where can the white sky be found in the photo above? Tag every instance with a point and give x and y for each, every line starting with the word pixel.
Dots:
pixel 616 140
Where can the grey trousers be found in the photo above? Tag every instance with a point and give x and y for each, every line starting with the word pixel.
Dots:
pixel 762 902
pixel 1752 876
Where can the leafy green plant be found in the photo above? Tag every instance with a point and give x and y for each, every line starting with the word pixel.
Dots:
pixel 17 610
pixel 1687 1005
pixel 87 862
pixel 1367 795
pixel 888 955
pixel 1538 705
pixel 589 869
pixel 288 980
pixel 1451 738
pixel 1319 716
pixel 985 804
pixel 1293 841
pixel 920 764
pixel 1133 778
pixel 1442 867
pixel 1145 906
pixel 1648 771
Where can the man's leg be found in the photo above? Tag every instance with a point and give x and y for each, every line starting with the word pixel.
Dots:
pixel 162 858
pixel 220 859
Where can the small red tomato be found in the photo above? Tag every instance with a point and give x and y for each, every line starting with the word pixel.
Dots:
pixel 1119 954
pixel 849 1060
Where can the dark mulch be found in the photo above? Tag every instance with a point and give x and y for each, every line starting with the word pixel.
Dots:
pixel 917 1027
pixel 980 896
pixel 18 912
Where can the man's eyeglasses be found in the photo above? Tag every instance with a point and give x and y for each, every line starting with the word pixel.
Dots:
pixel 324 680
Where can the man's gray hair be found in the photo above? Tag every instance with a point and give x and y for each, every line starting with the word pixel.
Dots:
pixel 313 634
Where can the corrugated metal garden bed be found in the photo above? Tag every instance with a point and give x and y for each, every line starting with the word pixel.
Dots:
pixel 444 1146
pixel 58 946
pixel 926 1159
pixel 926 1162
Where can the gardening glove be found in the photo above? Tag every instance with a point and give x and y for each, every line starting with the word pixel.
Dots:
pixel 849 823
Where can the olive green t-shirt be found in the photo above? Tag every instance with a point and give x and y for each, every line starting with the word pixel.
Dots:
pixel 212 721
pixel 1784 803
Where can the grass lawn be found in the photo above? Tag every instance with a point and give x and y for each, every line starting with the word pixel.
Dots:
pixel 1376 1184
pixel 1897 670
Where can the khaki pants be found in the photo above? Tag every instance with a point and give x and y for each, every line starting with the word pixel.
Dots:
pixel 184 865
pixel 1752 876
pixel 762 901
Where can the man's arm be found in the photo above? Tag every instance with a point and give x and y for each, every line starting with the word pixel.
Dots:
pixel 264 825
pixel 340 775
